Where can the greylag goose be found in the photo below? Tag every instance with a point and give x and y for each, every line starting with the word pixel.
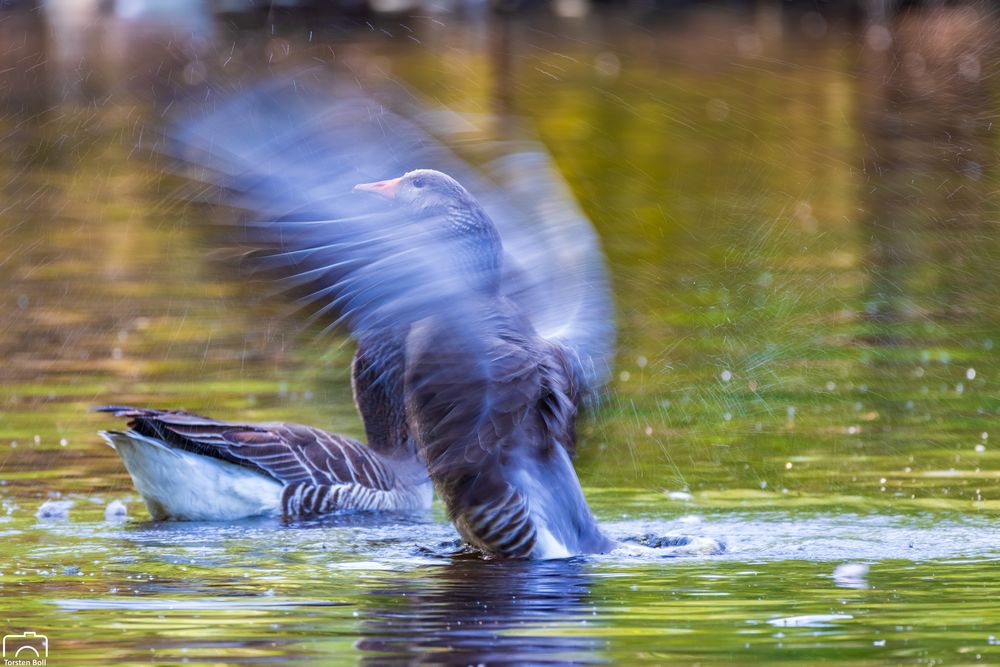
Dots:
pixel 491 403
pixel 189 467
pixel 496 303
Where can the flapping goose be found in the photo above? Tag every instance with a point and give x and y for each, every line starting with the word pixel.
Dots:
pixel 491 285
pixel 491 403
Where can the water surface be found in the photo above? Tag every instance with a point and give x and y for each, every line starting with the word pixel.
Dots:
pixel 800 218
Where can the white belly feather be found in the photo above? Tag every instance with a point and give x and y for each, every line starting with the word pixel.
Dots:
pixel 182 485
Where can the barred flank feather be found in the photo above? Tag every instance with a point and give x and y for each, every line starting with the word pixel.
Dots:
pixel 316 471
pixel 502 526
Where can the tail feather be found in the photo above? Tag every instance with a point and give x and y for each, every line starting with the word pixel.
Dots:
pixel 182 485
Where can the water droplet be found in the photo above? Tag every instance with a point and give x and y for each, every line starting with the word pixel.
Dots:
pixel 749 44
pixel 571 9
pixel 969 68
pixel 716 109
pixel 115 511
pixel 878 37
pixel 194 73
pixel 607 65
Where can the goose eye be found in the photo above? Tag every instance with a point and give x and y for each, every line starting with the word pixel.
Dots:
pixel 419 182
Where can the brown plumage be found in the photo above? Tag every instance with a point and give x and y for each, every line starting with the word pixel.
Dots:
pixel 495 415
pixel 317 471
pixel 493 290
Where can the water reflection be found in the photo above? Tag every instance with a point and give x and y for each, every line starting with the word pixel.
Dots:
pixel 930 159
pixel 132 52
pixel 470 612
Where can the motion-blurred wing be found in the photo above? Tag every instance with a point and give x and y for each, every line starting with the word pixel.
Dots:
pixel 291 151
pixel 554 265
pixel 566 294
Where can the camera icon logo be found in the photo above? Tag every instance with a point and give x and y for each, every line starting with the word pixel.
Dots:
pixel 25 646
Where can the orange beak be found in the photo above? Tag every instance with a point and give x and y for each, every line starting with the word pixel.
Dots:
pixel 385 189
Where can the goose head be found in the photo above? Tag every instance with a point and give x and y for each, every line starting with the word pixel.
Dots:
pixel 434 198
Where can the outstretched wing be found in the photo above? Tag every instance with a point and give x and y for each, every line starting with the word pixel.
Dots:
pixel 555 267
pixel 291 150
pixel 567 297
pixel 290 453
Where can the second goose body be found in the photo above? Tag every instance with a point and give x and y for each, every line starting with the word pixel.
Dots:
pixel 189 467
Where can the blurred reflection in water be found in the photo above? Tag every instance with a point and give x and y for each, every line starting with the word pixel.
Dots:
pixel 927 113
pixel 478 613
pixel 127 51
